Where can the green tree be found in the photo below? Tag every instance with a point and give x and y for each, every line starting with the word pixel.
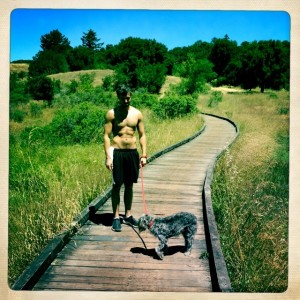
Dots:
pixel 80 58
pixel 223 50
pixel 48 62
pixel 200 49
pixel 264 64
pixel 250 58
pixel 274 65
pixel 55 41
pixel 41 88
pixel 140 63
pixel 90 40
pixel 198 73
pixel 53 56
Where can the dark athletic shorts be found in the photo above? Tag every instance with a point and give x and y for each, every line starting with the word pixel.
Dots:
pixel 126 164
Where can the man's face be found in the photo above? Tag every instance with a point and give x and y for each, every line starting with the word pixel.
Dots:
pixel 126 100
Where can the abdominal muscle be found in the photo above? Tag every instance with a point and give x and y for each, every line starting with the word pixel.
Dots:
pixel 125 139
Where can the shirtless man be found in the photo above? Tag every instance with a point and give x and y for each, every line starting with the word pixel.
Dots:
pixel 122 157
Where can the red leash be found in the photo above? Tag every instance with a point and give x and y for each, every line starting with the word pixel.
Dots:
pixel 143 192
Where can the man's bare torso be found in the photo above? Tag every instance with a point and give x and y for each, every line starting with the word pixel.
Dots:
pixel 124 126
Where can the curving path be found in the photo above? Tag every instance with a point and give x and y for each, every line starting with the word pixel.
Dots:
pixel 99 259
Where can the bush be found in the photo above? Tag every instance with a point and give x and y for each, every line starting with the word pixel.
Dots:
pixel 82 124
pixel 151 77
pixel 35 109
pixel 108 83
pixel 86 82
pixel 17 115
pixel 41 88
pixel 95 95
pixel 17 89
pixel 175 106
pixel 144 99
pixel 72 86
pixel 215 98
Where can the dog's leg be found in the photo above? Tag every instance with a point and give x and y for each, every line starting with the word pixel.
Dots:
pixel 188 235
pixel 163 246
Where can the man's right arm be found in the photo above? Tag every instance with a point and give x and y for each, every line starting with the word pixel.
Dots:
pixel 107 133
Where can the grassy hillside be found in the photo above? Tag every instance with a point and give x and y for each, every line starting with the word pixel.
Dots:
pixel 19 67
pixel 69 76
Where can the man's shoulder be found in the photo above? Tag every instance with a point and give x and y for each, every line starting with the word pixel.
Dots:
pixel 135 110
pixel 110 114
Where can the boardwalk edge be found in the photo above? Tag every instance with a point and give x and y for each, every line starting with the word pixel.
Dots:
pixel 219 273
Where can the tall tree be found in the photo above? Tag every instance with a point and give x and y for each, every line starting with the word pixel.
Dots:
pixel 91 41
pixel 223 50
pixel 274 64
pixel 80 58
pixel 265 64
pixel 48 62
pixel 135 58
pixel 52 58
pixel 250 58
pixel 55 41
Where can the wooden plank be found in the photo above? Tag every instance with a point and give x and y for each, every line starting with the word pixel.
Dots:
pixel 183 282
pixel 124 287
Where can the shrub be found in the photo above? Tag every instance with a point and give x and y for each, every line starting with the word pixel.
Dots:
pixel 72 86
pixel 17 115
pixel 86 82
pixel 35 109
pixel 41 88
pixel 108 83
pixel 96 95
pixel 142 99
pixel 82 124
pixel 17 88
pixel 175 106
pixel 215 98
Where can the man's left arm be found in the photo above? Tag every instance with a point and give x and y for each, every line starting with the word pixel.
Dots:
pixel 142 140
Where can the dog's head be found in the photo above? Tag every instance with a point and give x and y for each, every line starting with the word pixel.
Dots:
pixel 143 222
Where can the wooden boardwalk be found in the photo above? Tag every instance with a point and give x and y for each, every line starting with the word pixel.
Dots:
pixel 99 259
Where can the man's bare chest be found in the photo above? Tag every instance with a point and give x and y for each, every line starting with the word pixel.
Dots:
pixel 126 120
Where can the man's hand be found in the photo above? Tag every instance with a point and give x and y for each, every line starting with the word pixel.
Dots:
pixel 143 161
pixel 109 164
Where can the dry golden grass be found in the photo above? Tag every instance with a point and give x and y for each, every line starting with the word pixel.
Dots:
pixel 15 67
pixel 257 118
pixel 250 190
pixel 170 80
pixel 69 76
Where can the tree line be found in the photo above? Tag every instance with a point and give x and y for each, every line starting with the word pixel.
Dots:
pixel 144 63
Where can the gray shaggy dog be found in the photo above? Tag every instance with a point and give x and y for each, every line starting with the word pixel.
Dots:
pixel 163 228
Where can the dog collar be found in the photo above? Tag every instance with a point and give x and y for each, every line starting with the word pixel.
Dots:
pixel 150 224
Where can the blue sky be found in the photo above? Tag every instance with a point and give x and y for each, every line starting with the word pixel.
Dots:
pixel 173 28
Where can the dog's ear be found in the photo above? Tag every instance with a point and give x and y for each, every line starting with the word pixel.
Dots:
pixel 143 222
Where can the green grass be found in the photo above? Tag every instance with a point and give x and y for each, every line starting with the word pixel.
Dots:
pixel 250 191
